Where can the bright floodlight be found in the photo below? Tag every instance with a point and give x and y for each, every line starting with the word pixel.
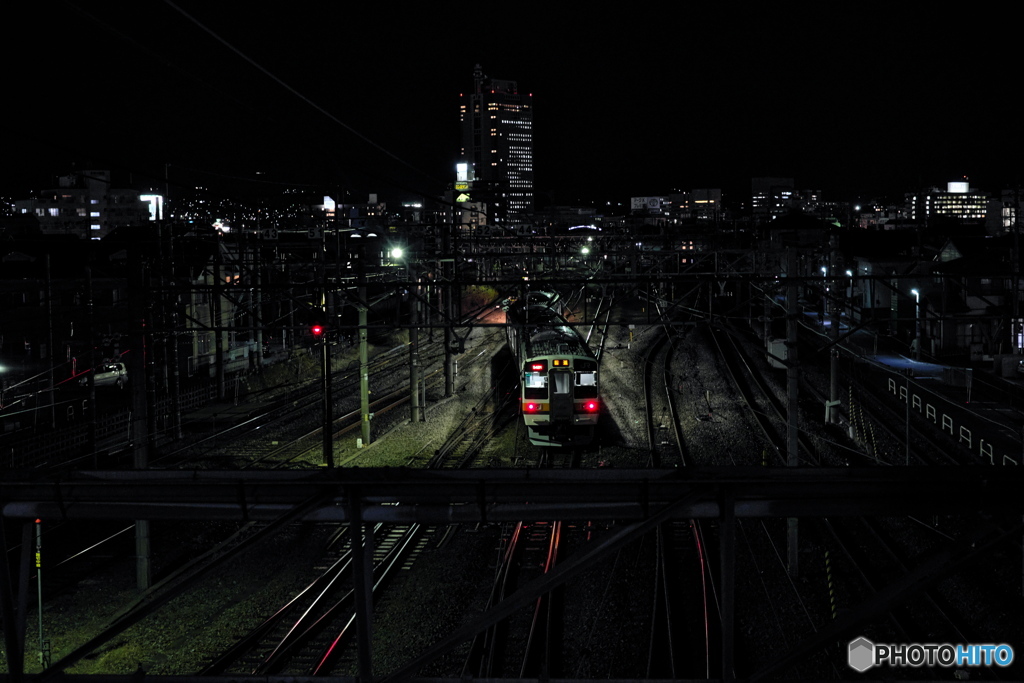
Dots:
pixel 396 252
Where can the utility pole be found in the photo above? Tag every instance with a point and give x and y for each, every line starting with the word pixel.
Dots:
pixel 325 360
pixel 91 338
pixel 364 369
pixel 415 411
pixel 448 293
pixel 138 386
pixel 832 408
pixel 218 323
pixel 172 319
pixel 49 344
pixel 917 324
pixel 792 408
pixel 364 353
pixel 328 403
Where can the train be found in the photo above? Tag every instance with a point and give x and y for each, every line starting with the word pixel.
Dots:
pixel 559 389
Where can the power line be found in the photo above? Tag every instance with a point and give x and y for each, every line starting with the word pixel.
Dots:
pixel 298 94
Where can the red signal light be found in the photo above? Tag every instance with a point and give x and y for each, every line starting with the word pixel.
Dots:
pixel 317 330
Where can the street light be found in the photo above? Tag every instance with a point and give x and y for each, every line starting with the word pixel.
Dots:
pixel 917 323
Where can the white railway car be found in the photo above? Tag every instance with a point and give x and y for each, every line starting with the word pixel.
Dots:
pixel 558 373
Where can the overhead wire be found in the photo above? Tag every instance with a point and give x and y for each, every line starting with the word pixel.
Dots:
pixel 170 64
pixel 296 93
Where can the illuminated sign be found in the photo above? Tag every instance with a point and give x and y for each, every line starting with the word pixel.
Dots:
pixel 461 186
pixel 156 206
pixel 462 197
pixel 645 203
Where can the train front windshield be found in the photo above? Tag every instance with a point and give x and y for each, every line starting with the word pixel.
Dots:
pixel 535 385
pixel 586 385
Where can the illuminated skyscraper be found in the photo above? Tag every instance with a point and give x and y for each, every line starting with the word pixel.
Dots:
pixel 497 148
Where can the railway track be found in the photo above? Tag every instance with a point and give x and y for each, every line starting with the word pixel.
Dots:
pixel 103 553
pixel 310 634
pixel 185 578
pixel 315 633
pixel 765 407
pixel 466 444
pixel 526 644
pixel 288 431
pixel 684 619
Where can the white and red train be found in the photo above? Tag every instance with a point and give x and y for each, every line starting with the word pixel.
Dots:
pixel 558 373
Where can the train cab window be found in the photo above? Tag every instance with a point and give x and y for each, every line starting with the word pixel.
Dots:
pixel 586 385
pixel 561 382
pixel 535 385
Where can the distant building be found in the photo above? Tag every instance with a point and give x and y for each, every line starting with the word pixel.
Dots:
pixel 472 217
pixel 698 204
pixel 774 197
pixel 86 206
pixel 1004 212
pixel 497 148
pixel 369 214
pixel 654 206
pixel 958 201
pixel 880 218
pixel 771 196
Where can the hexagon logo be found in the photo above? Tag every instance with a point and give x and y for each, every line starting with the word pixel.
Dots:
pixel 861 654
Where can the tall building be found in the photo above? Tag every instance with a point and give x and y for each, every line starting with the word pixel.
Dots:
pixel 497 149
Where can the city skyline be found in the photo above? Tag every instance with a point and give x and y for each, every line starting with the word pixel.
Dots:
pixel 623 106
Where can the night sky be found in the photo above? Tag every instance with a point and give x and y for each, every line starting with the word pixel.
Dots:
pixel 253 97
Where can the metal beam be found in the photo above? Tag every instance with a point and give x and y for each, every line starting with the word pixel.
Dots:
pixel 440 497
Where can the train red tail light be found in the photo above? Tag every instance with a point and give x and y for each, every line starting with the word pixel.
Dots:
pixel 590 406
pixel 531 407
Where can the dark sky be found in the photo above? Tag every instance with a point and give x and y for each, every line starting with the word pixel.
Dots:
pixel 626 103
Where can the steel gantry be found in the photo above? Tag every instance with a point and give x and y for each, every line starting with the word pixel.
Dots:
pixel 636 499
